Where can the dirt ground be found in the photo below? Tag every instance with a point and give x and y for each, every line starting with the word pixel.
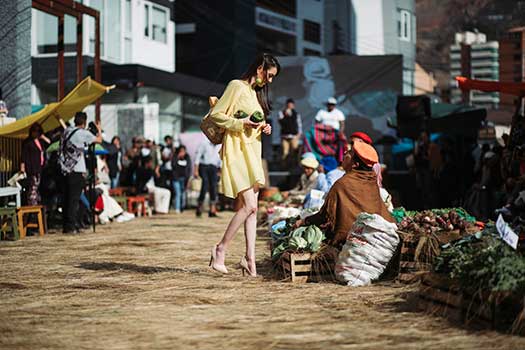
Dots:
pixel 146 285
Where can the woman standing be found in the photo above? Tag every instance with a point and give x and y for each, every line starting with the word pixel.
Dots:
pixel 181 165
pixel 242 172
pixel 115 161
pixel 33 159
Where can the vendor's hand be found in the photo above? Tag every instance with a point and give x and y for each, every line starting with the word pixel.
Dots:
pixel 267 129
pixel 298 223
pixel 248 123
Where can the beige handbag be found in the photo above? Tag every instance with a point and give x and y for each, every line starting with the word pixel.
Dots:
pixel 195 184
pixel 213 132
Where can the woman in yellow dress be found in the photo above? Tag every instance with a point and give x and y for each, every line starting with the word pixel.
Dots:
pixel 242 172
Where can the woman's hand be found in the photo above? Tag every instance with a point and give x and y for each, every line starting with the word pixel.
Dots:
pixel 267 129
pixel 248 123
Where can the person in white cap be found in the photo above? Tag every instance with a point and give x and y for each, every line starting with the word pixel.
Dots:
pixel 331 116
pixel 309 177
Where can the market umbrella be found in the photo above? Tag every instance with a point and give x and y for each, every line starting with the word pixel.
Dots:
pixel 99 150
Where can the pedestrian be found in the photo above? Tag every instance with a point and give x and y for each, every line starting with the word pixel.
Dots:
pixel 33 160
pixel 181 165
pixel 166 170
pixel 114 161
pixel 331 116
pixel 291 130
pixel 146 184
pixel 242 172
pixel 207 165
pixel 73 164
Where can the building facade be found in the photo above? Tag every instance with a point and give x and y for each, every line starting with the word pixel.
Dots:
pixel 15 61
pixel 473 56
pixel 138 52
pixel 511 61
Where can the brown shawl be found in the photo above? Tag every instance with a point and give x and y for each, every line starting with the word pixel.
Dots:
pixel 354 193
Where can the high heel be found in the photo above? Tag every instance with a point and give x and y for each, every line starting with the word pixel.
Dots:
pixel 213 265
pixel 245 268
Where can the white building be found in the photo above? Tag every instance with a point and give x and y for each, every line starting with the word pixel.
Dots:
pixel 131 31
pixel 138 56
pixel 473 56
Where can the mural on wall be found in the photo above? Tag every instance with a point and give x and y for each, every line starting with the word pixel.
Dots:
pixel 366 88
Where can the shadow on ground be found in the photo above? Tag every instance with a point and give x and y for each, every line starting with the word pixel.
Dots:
pixel 146 270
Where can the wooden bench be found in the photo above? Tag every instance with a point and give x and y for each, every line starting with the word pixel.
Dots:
pixel 41 220
pixel 8 223
pixel 119 191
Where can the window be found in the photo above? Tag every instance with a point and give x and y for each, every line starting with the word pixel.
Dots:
pixel 128 16
pixel 312 31
pixel 113 35
pixel 517 57
pixel 158 22
pixel 403 25
pixel 146 20
pixel 308 52
pixel 155 23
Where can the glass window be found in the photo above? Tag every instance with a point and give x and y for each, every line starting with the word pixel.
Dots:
pixel 308 52
pixel 99 6
pixel 146 20
pixel 128 16
pixel 404 25
pixel 113 18
pixel 158 24
pixel 311 31
pixel 47 36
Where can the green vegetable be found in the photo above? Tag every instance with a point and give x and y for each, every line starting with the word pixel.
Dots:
pixel 277 197
pixel 279 250
pixel 314 236
pixel 240 114
pixel 296 243
pixel 298 232
pixel 257 117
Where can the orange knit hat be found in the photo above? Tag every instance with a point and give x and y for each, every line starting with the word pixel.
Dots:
pixel 366 153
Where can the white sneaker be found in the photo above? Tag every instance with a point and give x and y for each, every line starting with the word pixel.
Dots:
pixel 128 215
pixel 121 218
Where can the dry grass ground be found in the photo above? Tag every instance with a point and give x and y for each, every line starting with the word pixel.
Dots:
pixel 146 285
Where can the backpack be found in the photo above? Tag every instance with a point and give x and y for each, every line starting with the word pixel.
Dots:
pixel 213 132
pixel 68 154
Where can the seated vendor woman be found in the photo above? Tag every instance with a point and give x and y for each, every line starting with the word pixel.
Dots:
pixel 356 192
pixel 308 179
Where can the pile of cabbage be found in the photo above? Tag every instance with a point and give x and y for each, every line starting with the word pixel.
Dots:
pixel 302 239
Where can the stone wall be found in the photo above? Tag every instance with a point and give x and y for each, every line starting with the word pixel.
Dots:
pixel 15 56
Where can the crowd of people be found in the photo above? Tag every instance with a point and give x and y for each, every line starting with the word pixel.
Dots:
pixel 57 169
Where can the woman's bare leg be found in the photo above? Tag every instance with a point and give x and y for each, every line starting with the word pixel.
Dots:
pixel 250 232
pixel 249 207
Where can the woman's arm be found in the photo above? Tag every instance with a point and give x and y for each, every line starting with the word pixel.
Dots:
pixel 222 112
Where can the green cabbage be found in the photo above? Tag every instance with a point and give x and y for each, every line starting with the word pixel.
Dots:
pixel 313 236
pixel 296 243
pixel 279 250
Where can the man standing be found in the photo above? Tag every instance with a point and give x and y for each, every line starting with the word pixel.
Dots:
pixel 73 164
pixel 331 116
pixel 291 130
pixel 207 165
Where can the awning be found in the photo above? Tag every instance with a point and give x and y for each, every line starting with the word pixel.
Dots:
pixel 84 94
pixel 516 89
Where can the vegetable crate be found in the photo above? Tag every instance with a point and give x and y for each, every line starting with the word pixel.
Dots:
pixel 298 266
pixel 442 296
pixel 410 270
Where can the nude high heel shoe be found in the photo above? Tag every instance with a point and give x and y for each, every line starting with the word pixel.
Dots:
pixel 245 267
pixel 215 266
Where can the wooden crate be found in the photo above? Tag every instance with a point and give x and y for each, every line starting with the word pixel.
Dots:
pixel 440 295
pixel 410 271
pixel 298 266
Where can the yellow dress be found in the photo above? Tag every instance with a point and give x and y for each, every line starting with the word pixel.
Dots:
pixel 241 150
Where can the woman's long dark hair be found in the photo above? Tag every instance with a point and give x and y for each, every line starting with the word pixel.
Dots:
pixel 267 61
